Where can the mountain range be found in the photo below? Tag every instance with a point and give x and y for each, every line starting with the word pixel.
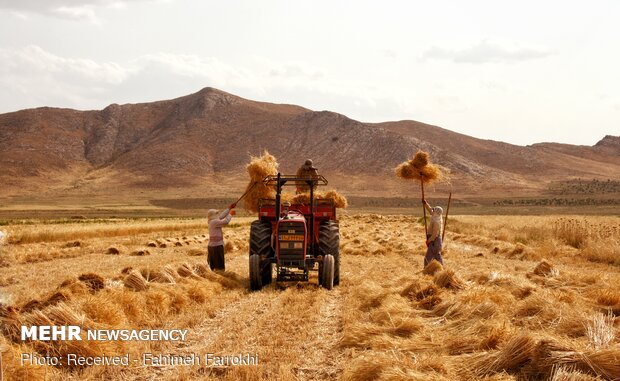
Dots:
pixel 198 145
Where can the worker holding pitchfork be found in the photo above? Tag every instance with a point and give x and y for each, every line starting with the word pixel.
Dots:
pixel 433 236
pixel 216 236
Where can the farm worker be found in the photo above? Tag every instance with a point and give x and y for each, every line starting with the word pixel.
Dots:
pixel 216 236
pixel 306 171
pixel 433 238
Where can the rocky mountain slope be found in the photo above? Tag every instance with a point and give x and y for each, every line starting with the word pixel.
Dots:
pixel 201 142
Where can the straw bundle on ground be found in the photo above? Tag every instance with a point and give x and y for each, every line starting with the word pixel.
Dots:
pixel 196 252
pixel 448 279
pixel 134 281
pixel 419 168
pixel 113 251
pixel 94 281
pixel 164 275
pixel 604 363
pixel 185 270
pixel 258 169
pixel 62 314
pixel 201 269
pixel 433 267
pixel 514 354
pixel 544 268
pixel 140 253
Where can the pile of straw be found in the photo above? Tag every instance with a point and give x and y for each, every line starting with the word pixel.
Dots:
pixel 185 270
pixel 448 279
pixel 62 314
pixel 140 253
pixel 94 281
pixel 202 270
pixel 113 251
pixel 544 268
pixel 419 168
pixel 134 281
pixel 433 267
pixel 165 275
pixel 340 201
pixel 258 169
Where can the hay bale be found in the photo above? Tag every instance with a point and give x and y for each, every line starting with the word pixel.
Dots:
pixel 73 244
pixel 258 169
pixel 163 245
pixel 339 200
pixel 94 281
pixel 185 270
pixel 164 275
pixel 57 297
pixel 433 267
pixel 63 314
pixel 514 354
pixel 151 244
pixel 448 279
pixel 419 168
pixel 135 281
pixel 544 268
pixel 113 251
pixel 196 252
pixel 140 253
pixel 604 363
pixel 229 246
pixel 202 270
pixel 178 244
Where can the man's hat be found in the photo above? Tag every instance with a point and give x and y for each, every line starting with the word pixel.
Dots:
pixel 308 164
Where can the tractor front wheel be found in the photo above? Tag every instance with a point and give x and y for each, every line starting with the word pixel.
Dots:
pixel 327 273
pixel 256 281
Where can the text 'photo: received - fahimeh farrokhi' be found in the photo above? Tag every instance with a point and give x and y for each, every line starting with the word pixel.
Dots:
pixel 75 333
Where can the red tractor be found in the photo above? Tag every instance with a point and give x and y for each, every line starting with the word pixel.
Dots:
pixel 294 238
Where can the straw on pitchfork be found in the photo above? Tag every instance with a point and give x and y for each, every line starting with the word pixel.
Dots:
pixel 419 168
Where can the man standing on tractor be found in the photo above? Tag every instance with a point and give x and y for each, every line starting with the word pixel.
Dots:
pixel 306 171
pixel 433 238
pixel 216 236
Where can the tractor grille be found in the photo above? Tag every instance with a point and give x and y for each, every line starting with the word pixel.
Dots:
pixel 291 237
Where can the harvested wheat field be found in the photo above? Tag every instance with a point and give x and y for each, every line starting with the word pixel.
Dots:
pixel 519 298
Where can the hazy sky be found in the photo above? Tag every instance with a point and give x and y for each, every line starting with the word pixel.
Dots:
pixel 519 71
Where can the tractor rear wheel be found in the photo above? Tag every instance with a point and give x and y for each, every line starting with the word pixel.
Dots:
pixel 329 243
pixel 327 274
pixel 260 244
pixel 256 281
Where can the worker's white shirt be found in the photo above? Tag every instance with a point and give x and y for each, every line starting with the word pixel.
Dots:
pixel 216 236
pixel 434 228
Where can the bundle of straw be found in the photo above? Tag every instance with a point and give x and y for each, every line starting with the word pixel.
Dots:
pixel 544 268
pixel 340 201
pixel 419 168
pixel 185 270
pixel 433 267
pixel 62 314
pixel 258 169
pixel 448 279
pixel 94 281
pixel 164 277
pixel 134 281
pixel 513 355
pixel 201 269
